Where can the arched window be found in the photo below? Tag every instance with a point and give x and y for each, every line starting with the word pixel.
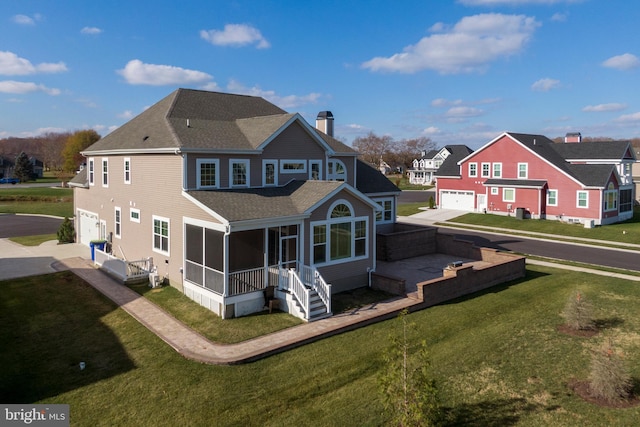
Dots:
pixel 336 171
pixel 342 237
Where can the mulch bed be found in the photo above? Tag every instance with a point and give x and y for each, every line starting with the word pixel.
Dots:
pixel 583 389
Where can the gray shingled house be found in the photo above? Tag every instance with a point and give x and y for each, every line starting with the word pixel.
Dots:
pixel 232 196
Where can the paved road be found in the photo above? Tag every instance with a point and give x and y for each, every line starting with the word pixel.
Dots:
pixel 628 260
pixel 415 196
pixel 26 225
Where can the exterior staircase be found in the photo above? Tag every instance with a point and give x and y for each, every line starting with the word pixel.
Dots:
pixel 317 308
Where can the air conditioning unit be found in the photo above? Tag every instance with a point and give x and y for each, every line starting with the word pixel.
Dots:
pixel 588 223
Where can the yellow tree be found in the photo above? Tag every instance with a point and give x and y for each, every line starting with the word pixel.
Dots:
pixel 77 142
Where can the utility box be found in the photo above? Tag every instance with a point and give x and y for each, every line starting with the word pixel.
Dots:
pixel 520 213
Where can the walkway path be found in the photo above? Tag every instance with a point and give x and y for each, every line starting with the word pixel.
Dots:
pixel 196 347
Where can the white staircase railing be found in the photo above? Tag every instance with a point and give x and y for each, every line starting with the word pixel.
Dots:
pixel 300 292
pixel 311 277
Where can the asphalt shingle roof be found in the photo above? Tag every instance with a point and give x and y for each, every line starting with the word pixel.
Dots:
pixel 370 180
pixel 200 120
pixel 293 199
pixel 450 166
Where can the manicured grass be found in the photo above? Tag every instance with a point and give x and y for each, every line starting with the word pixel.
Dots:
pixel 402 182
pixel 209 324
pixel 42 201
pixel 497 356
pixel 627 232
pixel 407 209
pixel 34 240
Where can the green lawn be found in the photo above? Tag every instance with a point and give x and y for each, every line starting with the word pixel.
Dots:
pixel 43 201
pixel 497 356
pixel 627 232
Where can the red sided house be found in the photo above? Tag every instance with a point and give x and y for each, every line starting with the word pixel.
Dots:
pixel 231 197
pixel 522 174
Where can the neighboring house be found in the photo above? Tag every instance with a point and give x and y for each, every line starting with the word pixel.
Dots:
pixel 635 171
pixel 230 195
pixel 38 167
pixel 6 167
pixel 583 182
pixel 423 170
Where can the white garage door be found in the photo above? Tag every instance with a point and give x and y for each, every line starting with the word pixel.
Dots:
pixel 461 200
pixel 89 227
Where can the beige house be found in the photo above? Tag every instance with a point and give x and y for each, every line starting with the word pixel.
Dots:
pixel 231 196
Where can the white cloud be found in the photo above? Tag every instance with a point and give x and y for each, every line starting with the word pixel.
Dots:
pixel 604 107
pixel 545 85
pixel 469 46
pixel 627 118
pixel 463 112
pixel 23 20
pixel 13 65
pixel 127 115
pixel 10 86
pixel 431 130
pixel 285 102
pixel 559 17
pixel 91 30
pixel 625 61
pixel 235 35
pixel 137 72
pixel 442 102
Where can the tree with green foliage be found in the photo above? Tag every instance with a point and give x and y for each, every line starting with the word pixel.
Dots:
pixel 23 169
pixel 77 142
pixel 409 391
pixel 66 232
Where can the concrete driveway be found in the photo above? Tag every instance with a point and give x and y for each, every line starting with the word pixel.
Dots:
pixel 19 261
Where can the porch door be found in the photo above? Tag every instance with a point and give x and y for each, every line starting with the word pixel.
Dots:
pixel 289 252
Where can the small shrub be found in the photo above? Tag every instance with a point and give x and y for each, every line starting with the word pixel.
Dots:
pixel 578 312
pixel 609 377
pixel 409 391
pixel 432 203
pixel 66 232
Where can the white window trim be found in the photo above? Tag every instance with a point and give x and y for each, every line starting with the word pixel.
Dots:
pixel 266 162
pixel 380 201
pixel 504 191
pixel 284 162
pixel 127 160
pixel 131 218
pixel 91 171
pixel 153 220
pixel 248 178
pixel 336 176
pixel 104 174
pixel 117 210
pixel 552 204
pixel 315 162
pixel 352 220
pixel 493 170
pixel 199 162
pixel 482 171
pixel 495 191
pixel 475 173
pixel 526 170
pixel 578 199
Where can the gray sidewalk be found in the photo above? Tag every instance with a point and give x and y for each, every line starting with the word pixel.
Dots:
pixel 194 346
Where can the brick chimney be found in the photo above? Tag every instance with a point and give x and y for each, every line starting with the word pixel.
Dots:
pixel 324 122
pixel 572 137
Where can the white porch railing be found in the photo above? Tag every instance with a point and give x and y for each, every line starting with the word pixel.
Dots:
pixel 311 277
pixel 300 292
pixel 242 282
pixel 125 270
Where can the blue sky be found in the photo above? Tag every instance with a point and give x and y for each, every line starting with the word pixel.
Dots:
pixel 458 71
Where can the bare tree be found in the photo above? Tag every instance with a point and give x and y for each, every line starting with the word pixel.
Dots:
pixel 372 147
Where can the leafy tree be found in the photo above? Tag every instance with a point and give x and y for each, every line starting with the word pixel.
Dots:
pixel 409 392
pixel 66 232
pixel 76 143
pixel 23 169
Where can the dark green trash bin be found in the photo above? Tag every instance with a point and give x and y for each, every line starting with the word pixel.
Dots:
pixel 519 213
